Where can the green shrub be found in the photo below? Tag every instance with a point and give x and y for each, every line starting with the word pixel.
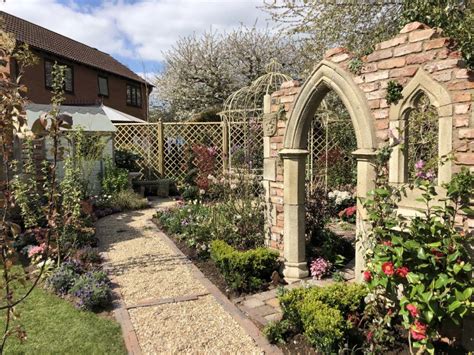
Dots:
pixel 276 332
pixel 127 200
pixel 244 270
pixel 114 179
pixel 324 326
pixel 322 313
pixel 127 159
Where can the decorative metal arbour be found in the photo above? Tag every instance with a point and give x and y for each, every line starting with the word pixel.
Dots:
pixel 243 113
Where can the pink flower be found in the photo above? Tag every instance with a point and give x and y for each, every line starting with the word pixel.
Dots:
pixel 370 335
pixel 319 268
pixel 402 271
pixel 387 243
pixel 413 310
pixel 418 330
pixel 388 268
pixel 420 164
pixel 367 276
pixel 38 249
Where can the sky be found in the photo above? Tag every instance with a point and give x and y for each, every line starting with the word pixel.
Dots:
pixel 136 32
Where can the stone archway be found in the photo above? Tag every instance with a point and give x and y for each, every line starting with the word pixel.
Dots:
pixel 325 77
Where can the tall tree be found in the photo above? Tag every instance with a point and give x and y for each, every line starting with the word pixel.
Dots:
pixel 358 26
pixel 201 71
pixel 321 25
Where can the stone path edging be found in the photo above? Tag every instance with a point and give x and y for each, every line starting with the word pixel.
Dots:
pixel 228 306
pixel 122 316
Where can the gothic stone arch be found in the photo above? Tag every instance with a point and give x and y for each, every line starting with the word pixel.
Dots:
pixel 416 50
pixel 327 75
pixel 441 99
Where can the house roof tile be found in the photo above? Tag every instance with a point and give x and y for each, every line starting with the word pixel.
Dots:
pixel 43 39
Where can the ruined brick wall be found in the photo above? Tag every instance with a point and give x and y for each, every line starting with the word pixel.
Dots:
pixel 416 47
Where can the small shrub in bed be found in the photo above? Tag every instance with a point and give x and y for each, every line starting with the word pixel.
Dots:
pixel 127 200
pixel 277 332
pixel 64 277
pixel 92 290
pixel 244 271
pixel 325 315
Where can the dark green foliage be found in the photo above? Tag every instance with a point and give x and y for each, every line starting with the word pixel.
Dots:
pixel 191 191
pixel 455 17
pixel 126 159
pixel 322 314
pixel 244 270
pixel 394 92
pixel 277 332
pixel 114 179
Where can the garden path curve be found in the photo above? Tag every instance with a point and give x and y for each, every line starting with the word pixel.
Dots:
pixel 167 305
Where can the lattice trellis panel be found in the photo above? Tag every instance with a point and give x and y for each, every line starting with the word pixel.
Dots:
pixel 164 147
pixel 246 146
pixel 179 137
pixel 144 140
pixel 330 148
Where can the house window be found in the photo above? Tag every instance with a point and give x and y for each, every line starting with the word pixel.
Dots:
pixel 103 86
pixel 134 95
pixel 68 76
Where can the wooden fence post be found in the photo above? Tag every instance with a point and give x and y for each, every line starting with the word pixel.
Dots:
pixel 161 147
pixel 225 146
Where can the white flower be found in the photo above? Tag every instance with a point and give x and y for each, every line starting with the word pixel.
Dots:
pixel 202 192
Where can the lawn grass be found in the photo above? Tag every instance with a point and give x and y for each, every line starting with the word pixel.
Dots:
pixel 55 326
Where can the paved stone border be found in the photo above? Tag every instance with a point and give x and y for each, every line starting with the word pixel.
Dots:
pixel 228 306
pixel 160 301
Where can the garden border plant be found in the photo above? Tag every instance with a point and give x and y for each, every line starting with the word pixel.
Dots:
pixel 419 271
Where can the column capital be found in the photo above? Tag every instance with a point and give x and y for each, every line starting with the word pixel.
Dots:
pixel 291 153
pixel 365 153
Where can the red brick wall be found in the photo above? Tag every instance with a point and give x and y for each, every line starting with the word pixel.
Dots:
pixel 416 46
pixel 86 91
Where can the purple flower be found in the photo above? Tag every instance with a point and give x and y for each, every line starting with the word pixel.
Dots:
pixel 430 175
pixel 420 164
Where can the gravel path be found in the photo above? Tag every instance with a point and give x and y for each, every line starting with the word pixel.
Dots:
pixel 146 269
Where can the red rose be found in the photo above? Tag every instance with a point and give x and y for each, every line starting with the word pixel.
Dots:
pixel 387 268
pixel 402 271
pixel 351 210
pixel 367 276
pixel 418 330
pixel 387 243
pixel 413 310
pixel 370 335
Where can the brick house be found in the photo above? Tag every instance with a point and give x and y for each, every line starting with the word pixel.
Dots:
pixel 92 77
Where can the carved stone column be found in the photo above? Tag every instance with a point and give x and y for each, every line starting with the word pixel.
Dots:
pixel 294 161
pixel 365 183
